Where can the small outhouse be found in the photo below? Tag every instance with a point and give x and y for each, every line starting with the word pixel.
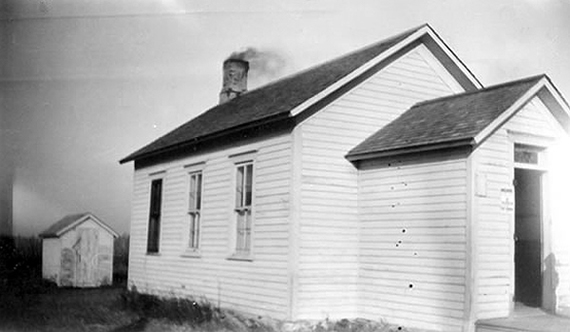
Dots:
pixel 77 251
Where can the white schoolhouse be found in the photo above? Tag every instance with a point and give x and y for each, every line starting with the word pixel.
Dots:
pixel 388 183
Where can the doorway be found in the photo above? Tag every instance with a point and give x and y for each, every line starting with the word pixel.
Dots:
pixel 528 237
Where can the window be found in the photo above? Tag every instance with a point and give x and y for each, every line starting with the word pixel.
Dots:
pixel 243 207
pixel 154 216
pixel 527 154
pixel 194 206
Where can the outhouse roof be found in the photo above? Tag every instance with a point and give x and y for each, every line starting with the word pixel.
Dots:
pixel 459 120
pixel 70 221
pixel 287 97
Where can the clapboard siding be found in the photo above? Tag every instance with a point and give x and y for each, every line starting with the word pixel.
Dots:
pixel 533 119
pixel 494 223
pixel 259 286
pixel 413 239
pixel 329 231
pixel 492 227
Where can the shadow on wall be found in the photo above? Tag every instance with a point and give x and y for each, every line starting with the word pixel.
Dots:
pixel 550 278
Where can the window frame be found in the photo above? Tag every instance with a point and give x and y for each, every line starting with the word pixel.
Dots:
pixel 539 151
pixel 195 211
pixel 152 248
pixel 245 205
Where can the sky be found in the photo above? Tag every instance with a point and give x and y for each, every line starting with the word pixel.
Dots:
pixel 84 83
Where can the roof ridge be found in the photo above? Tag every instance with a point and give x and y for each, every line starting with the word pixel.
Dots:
pixel 485 89
pixel 341 56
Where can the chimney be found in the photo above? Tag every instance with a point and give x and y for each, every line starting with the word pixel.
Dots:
pixel 234 80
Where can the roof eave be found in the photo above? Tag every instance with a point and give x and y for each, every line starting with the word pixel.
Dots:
pixel 547 92
pixel 466 142
pixel 201 139
pixel 47 236
pixel 469 76
pixel 556 102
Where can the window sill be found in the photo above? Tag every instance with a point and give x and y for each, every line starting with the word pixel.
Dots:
pixel 240 257
pixel 153 254
pixel 192 253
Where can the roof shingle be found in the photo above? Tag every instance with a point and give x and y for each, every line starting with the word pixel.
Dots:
pixel 444 120
pixel 274 99
pixel 54 229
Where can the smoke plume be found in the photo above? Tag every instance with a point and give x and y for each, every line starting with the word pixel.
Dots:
pixel 264 65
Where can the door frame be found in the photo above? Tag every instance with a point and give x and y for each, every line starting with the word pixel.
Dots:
pixel 548 298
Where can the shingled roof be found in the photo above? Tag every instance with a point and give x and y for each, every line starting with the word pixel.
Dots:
pixel 448 121
pixel 271 102
pixel 63 225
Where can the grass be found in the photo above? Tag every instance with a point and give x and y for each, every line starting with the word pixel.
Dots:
pixel 28 303
pixel 115 309
pixel 64 310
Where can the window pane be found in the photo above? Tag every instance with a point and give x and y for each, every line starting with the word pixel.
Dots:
pixel 153 235
pixel 239 187
pixel 194 234
pixel 527 154
pixel 198 191
pixel 155 196
pixel 247 235
pixel 240 243
pixel 154 216
pixel 527 157
pixel 243 238
pixel 192 197
pixel 248 184
pixel 195 192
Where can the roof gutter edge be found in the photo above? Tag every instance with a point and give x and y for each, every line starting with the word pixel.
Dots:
pixel 200 139
pixel 408 150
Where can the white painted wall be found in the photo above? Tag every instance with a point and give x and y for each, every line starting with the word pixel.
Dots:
pixel 328 263
pixel 413 214
pixel 258 286
pixel 494 226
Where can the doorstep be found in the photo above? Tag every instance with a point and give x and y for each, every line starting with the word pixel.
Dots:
pixel 525 319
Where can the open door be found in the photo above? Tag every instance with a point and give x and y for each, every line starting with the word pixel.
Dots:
pixel 528 237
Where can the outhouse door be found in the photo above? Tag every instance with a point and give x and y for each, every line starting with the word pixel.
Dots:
pixel 86 248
